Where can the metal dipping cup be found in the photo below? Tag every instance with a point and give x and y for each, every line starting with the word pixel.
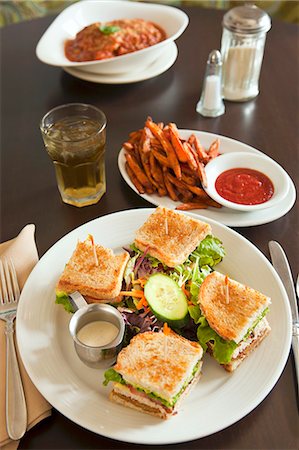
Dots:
pixel 97 357
pixel 75 137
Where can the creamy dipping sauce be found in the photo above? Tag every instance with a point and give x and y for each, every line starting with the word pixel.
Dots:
pixel 97 333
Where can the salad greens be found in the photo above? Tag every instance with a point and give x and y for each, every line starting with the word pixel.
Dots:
pixel 210 251
pixel 112 375
pixel 222 350
pixel 62 298
pixel 189 276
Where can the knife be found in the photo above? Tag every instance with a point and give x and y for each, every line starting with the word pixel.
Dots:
pixel 281 265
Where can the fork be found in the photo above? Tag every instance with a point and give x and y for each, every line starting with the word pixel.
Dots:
pixel 16 411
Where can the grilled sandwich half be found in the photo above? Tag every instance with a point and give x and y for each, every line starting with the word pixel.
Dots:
pixel 154 372
pixel 170 236
pixel 234 321
pixel 94 271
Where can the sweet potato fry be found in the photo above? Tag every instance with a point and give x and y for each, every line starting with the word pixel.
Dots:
pixel 177 144
pixel 191 159
pixel 155 142
pixel 146 167
pixel 191 205
pixel 135 136
pixel 188 171
pixel 200 167
pixel 212 202
pixel 188 179
pixel 162 159
pixel 202 154
pixel 214 149
pixel 166 133
pixel 184 195
pixel 169 187
pixel 145 141
pixel 136 153
pixel 202 174
pixel 140 175
pixel 128 146
pixel 144 153
pixel 159 180
pixel 156 172
pixel 195 189
pixel 171 155
pixel 134 179
pixel 198 191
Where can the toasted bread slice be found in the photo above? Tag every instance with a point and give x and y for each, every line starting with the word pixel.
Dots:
pixel 159 362
pixel 231 308
pixel 102 281
pixel 170 236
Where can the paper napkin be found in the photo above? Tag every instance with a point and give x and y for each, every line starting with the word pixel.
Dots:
pixel 22 250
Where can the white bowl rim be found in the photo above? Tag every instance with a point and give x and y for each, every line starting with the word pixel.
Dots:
pixel 241 156
pixel 77 5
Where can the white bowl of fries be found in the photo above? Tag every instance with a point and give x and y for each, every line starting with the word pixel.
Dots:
pixel 261 164
pixel 50 49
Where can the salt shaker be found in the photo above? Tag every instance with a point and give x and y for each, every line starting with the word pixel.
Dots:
pixel 211 103
pixel 242 49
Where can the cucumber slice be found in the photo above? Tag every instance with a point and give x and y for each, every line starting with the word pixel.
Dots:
pixel 166 300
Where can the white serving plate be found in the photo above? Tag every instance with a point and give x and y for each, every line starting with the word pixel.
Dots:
pixel 50 48
pixel 227 216
pixel 77 392
pixel 160 65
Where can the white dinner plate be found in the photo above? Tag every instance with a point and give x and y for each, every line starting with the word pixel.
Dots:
pixel 217 401
pixel 227 216
pixel 160 65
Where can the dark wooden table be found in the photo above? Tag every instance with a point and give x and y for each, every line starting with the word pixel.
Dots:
pixel 29 193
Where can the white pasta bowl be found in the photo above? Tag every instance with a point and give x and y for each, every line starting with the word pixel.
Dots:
pixel 260 163
pixel 50 48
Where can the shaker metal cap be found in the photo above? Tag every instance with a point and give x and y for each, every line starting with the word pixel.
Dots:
pixel 215 58
pixel 247 19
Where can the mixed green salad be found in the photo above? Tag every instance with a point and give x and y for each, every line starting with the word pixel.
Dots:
pixel 154 294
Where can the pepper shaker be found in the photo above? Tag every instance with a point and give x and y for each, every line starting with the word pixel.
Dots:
pixel 242 49
pixel 211 103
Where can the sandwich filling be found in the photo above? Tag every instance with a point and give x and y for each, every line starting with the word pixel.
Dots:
pixel 225 351
pixel 112 375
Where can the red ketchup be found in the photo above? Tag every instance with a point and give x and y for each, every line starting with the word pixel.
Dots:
pixel 244 186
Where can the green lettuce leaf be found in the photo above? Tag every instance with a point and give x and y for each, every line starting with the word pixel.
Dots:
pixel 62 298
pixel 195 313
pixel 222 349
pixel 112 375
pixel 191 274
pixel 210 251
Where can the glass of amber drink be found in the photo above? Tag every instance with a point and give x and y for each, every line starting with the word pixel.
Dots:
pixel 75 136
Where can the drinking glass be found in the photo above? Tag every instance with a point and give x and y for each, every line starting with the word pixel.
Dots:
pixel 75 136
